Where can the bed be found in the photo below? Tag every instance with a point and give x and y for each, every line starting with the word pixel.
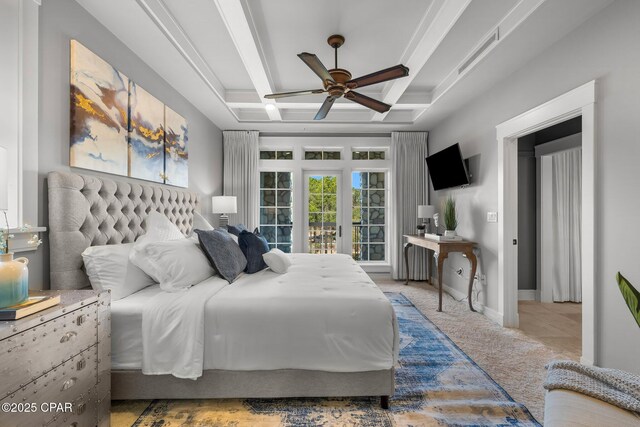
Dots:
pixel 323 329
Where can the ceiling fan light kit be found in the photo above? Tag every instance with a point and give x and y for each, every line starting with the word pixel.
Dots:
pixel 338 82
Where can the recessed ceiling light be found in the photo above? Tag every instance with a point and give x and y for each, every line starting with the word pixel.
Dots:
pixel 269 107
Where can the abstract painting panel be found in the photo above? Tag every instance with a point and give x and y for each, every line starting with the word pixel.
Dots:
pixel 146 135
pixel 99 113
pixel 176 140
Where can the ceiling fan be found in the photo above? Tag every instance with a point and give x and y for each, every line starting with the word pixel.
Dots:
pixel 337 82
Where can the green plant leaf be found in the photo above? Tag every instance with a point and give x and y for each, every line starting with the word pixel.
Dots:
pixel 631 296
pixel 450 217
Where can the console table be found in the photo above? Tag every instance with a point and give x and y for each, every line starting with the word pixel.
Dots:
pixel 443 248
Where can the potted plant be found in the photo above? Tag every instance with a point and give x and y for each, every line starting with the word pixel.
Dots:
pixel 450 219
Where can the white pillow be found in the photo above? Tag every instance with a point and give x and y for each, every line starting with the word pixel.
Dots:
pixel 277 260
pixel 178 264
pixel 109 268
pixel 200 223
pixel 159 229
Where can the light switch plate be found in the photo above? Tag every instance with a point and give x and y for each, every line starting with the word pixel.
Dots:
pixel 492 216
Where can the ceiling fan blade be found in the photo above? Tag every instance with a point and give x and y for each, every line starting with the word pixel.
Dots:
pixel 361 99
pixel 296 93
pixel 316 66
pixel 379 77
pixel 326 106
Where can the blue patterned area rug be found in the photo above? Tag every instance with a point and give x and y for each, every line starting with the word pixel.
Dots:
pixel 436 384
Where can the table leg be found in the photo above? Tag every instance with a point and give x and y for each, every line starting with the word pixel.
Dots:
pixel 441 257
pixel 428 266
pixel 474 264
pixel 406 260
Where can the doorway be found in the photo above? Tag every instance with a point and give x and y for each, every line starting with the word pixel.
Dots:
pixel 549 235
pixel 323 227
pixel 578 102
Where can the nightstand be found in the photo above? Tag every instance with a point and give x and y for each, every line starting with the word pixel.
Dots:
pixel 61 355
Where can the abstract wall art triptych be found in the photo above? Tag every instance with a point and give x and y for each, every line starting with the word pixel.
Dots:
pixel 118 127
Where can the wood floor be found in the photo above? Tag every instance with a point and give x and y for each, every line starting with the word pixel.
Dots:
pixel 558 325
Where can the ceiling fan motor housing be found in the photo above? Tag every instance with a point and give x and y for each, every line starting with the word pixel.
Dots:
pixel 340 77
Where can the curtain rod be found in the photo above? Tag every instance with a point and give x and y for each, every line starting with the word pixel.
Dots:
pixel 320 134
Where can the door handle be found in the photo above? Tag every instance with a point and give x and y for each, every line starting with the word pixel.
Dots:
pixel 339 231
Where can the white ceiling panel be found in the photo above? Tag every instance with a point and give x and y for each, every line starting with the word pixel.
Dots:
pixel 225 55
pixel 201 22
pixel 376 32
pixel 481 17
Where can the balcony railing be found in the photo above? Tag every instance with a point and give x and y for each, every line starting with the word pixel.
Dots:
pixel 322 238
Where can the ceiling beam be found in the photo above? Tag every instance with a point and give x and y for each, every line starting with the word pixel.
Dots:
pixel 164 20
pixel 240 30
pixel 241 99
pixel 426 39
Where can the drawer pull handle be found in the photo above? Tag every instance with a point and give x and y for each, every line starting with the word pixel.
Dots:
pixel 68 336
pixel 81 407
pixel 68 384
pixel 81 319
pixel 80 365
pixel 73 424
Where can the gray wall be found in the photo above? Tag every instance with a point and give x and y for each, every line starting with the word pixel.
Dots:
pixel 61 21
pixel 527 227
pixel 603 48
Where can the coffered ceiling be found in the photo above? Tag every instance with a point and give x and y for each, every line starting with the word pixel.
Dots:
pixel 225 55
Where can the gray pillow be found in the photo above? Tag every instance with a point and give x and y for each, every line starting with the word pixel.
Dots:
pixel 223 253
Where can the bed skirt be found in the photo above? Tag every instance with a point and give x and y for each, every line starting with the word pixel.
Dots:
pixel 133 385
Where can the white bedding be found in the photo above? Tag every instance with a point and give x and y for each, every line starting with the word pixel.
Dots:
pixel 126 328
pixel 324 314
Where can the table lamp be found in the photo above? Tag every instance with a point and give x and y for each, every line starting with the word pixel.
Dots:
pixel 426 212
pixel 224 205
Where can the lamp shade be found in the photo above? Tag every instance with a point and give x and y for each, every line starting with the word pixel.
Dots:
pixel 224 204
pixel 4 180
pixel 426 211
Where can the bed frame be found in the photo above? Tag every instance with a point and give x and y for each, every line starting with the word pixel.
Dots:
pixel 88 211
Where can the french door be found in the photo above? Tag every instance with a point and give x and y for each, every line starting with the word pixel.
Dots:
pixel 322 212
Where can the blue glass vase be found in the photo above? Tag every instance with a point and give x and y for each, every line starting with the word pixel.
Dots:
pixel 14 280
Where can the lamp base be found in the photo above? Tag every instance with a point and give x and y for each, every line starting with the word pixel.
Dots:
pixel 223 221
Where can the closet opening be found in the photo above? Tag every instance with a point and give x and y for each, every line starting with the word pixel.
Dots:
pixel 550 235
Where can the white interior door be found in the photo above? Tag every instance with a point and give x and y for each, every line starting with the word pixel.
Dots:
pixel 322 212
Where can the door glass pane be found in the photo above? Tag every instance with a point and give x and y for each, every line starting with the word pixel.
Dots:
pixel 322 220
pixel 276 209
pixel 267 155
pixel 368 226
pixel 285 155
pixel 331 155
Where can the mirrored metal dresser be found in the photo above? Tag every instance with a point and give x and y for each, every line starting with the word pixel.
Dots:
pixel 55 365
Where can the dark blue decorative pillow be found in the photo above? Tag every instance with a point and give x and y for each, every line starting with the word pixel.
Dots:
pixel 223 253
pixel 253 246
pixel 236 229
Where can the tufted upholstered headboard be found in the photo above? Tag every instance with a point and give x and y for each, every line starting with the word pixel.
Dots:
pixel 88 211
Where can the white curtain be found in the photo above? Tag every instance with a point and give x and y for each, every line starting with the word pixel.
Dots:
pixel 241 154
pixel 567 225
pixel 409 180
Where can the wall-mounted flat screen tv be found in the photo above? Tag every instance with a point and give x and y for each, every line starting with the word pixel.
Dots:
pixel 447 168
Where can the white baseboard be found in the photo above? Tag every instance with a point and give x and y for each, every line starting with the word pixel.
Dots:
pixel 453 292
pixel 586 361
pixel 490 313
pixel 493 315
pixel 527 295
pixel 376 268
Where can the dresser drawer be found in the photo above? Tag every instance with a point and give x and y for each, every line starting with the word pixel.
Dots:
pixel 84 414
pixel 27 355
pixel 72 382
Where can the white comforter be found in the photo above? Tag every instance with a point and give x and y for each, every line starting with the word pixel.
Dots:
pixel 324 314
